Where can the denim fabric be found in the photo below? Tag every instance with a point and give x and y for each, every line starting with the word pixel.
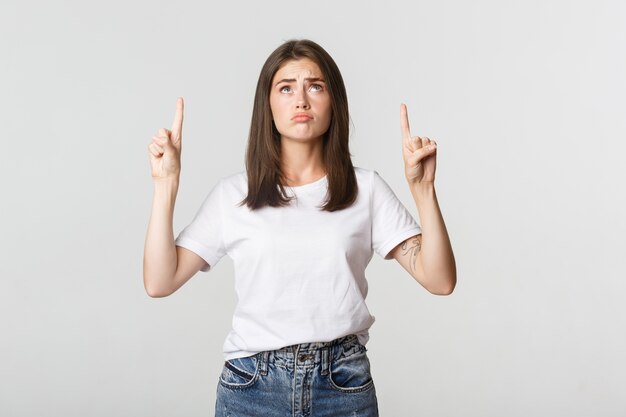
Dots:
pixel 320 379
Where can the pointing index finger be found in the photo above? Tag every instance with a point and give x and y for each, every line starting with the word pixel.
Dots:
pixel 404 123
pixel 177 126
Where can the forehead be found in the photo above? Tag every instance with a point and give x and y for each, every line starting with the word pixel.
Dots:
pixel 300 68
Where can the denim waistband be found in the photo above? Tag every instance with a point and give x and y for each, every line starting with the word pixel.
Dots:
pixel 312 353
pixel 313 346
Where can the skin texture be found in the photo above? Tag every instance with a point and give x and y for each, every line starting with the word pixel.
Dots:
pixel 301 141
pixel 166 267
pixel 410 248
pixel 427 257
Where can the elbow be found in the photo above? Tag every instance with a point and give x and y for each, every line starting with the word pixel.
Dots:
pixel 443 291
pixel 154 291
pixel 445 286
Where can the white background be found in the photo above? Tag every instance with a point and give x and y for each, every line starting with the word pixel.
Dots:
pixel 525 100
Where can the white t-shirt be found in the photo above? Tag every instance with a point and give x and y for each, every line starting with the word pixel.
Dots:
pixel 299 270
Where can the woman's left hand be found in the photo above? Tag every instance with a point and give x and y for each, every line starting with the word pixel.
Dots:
pixel 419 153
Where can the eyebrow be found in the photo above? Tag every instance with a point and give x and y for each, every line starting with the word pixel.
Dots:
pixel 290 80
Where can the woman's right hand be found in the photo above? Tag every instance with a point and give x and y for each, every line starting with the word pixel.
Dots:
pixel 165 149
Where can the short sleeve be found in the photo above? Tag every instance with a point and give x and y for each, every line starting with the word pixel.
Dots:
pixel 203 235
pixel 391 221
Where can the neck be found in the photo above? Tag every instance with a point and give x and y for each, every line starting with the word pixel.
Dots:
pixel 301 161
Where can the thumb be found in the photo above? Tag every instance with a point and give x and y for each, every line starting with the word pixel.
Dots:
pixel 165 136
pixel 420 154
pixel 174 138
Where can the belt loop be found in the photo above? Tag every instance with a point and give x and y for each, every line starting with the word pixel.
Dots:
pixel 264 358
pixel 326 360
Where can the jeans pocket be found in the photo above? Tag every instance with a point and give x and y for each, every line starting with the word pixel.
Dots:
pixel 240 372
pixel 351 373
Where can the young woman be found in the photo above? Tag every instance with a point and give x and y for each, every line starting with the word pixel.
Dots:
pixel 301 224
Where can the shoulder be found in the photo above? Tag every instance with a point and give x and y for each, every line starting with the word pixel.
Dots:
pixel 227 189
pixel 364 175
pixel 234 183
pixel 234 178
pixel 372 181
pixel 370 178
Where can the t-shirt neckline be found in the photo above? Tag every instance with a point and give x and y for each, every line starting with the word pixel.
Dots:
pixel 313 184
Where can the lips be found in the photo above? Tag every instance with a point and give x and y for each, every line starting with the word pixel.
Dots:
pixel 301 117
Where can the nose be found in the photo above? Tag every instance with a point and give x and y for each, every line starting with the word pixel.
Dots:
pixel 302 101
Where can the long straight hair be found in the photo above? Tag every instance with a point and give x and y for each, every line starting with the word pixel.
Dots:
pixel 263 162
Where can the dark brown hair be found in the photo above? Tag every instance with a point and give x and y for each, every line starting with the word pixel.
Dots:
pixel 265 177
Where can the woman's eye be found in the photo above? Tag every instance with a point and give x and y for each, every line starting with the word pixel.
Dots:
pixel 282 89
pixel 316 87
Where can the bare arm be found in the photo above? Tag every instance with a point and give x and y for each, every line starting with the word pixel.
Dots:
pixel 428 257
pixel 407 253
pixel 431 260
pixel 166 267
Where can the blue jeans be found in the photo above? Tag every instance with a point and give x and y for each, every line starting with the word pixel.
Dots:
pixel 320 379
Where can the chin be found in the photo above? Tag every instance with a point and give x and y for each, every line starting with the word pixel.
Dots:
pixel 303 137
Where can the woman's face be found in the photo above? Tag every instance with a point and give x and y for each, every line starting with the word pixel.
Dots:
pixel 299 101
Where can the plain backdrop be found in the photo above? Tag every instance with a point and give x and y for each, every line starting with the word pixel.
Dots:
pixel 524 98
